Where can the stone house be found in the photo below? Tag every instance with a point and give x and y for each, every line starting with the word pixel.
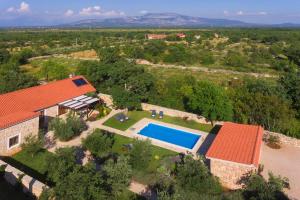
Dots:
pixel 24 112
pixel 235 153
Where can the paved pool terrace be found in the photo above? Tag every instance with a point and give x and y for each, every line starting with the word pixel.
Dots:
pixel 134 130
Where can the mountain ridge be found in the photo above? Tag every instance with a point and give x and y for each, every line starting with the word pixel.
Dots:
pixel 160 20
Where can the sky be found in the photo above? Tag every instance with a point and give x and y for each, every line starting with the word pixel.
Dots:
pixel 50 12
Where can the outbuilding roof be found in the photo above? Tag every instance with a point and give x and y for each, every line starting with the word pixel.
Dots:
pixel 238 143
pixel 25 103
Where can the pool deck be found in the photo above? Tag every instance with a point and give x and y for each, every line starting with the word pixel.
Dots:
pixel 137 127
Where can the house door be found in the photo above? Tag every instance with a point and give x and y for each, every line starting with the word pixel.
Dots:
pixel 43 120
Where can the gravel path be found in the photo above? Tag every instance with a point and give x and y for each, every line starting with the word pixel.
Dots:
pixel 284 162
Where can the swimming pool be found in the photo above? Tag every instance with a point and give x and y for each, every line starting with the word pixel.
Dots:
pixel 170 135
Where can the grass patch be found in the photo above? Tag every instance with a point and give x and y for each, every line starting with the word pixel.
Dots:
pixel 148 175
pixel 33 166
pixel 135 116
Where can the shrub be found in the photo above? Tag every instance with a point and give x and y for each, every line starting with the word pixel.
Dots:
pixel 32 144
pixel 2 170
pixel 99 143
pixel 140 154
pixel 258 188
pixel 192 175
pixel 67 129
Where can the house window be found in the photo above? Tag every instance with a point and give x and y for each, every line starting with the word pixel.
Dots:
pixel 13 141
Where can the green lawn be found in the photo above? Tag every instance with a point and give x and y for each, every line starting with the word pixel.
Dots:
pixel 33 166
pixel 135 116
pixel 148 175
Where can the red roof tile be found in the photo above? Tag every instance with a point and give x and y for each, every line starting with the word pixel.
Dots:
pixel 237 143
pixel 17 117
pixel 19 105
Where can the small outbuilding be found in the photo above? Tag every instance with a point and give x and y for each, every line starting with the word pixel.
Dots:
pixel 235 153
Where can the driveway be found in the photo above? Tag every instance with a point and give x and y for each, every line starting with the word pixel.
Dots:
pixel 284 162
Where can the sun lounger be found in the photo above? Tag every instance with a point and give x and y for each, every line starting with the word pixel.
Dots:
pixel 153 114
pixel 161 114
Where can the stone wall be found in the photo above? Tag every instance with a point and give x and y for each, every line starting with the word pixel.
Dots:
pixel 23 129
pixel 230 173
pixel 175 113
pixel 13 175
pixel 284 139
pixel 52 111
pixel 107 99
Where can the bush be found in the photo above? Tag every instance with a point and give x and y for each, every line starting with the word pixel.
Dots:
pixel 192 175
pixel 258 188
pixel 140 154
pixel 65 130
pixel 32 144
pixel 99 143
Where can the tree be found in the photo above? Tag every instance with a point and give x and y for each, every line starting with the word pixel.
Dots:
pixel 99 143
pixel 193 176
pixel 209 100
pixel 125 99
pixel 82 183
pixel 60 164
pixel 13 78
pixel 140 154
pixel 258 188
pixel 52 70
pixel 32 144
pixel 4 56
pixel 68 128
pixel 109 55
pixel 291 83
pixel 118 174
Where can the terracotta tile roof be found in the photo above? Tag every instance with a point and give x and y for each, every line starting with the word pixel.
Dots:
pixel 17 117
pixel 237 143
pixel 19 105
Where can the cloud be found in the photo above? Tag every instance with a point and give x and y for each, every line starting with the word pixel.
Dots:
pixel 23 8
pixel 262 13
pixel 98 11
pixel 143 12
pixel 69 13
pixel 226 12
pixel 243 13
pixel 240 13
pixel 10 9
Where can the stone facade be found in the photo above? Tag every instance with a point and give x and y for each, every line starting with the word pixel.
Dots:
pixel 12 175
pixel 107 99
pixel 22 129
pixel 175 113
pixel 230 173
pixel 284 139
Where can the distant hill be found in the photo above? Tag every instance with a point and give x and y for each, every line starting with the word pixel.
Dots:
pixel 160 20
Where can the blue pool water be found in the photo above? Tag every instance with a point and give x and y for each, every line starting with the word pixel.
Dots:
pixel 170 135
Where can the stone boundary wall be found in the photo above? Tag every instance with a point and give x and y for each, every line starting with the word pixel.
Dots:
pixel 284 139
pixel 12 176
pixel 175 113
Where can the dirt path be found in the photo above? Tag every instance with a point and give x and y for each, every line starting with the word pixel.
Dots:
pixel 212 70
pixel 284 162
